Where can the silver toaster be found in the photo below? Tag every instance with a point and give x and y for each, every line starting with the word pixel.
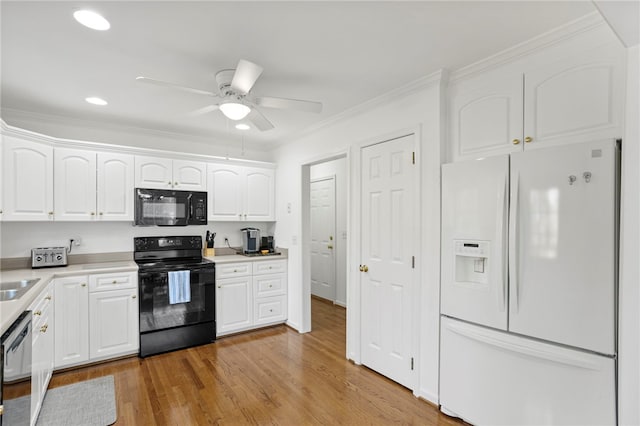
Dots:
pixel 45 257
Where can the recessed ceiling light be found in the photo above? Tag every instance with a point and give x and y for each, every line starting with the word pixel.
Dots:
pixel 242 126
pixel 92 20
pixel 96 101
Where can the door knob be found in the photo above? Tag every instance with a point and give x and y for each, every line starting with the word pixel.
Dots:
pixel 364 268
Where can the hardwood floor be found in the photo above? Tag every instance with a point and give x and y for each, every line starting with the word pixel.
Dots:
pixel 270 376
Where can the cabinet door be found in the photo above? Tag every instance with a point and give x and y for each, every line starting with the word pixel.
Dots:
pixel 270 310
pixel 71 306
pixel 259 196
pixel 234 304
pixel 576 99
pixel 113 323
pixel 225 189
pixel 115 186
pixel 486 115
pixel 74 184
pixel 27 175
pixel 153 172
pixel 189 175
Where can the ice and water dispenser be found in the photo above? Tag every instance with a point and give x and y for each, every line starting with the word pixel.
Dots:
pixel 472 261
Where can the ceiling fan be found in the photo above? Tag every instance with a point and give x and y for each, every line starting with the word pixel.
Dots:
pixel 236 100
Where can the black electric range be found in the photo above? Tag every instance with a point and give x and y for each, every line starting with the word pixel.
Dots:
pixel 176 287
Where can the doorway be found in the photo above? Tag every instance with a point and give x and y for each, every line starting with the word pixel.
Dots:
pixel 318 174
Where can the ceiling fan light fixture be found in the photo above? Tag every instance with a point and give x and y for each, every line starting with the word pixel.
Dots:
pixel 234 111
pixel 91 20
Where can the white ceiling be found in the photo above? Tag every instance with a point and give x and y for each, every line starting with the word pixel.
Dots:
pixel 339 53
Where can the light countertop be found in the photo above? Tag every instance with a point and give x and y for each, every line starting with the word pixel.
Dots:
pixel 11 309
pixel 233 258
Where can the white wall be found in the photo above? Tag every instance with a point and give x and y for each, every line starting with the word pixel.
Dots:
pixel 410 108
pixel 629 327
pixel 18 238
pixel 338 168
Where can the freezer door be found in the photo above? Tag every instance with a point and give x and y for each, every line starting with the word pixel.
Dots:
pixel 563 240
pixel 489 377
pixel 474 229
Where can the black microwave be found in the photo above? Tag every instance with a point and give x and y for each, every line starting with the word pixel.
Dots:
pixel 163 207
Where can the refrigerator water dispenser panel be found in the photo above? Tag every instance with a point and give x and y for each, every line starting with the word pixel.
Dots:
pixel 472 261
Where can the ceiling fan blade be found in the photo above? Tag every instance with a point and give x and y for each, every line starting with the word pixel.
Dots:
pixel 283 103
pixel 245 76
pixel 153 81
pixel 204 110
pixel 260 121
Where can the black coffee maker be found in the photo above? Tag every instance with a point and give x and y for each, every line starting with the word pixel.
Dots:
pixel 267 243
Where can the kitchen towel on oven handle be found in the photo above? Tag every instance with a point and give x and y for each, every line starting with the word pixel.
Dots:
pixel 179 287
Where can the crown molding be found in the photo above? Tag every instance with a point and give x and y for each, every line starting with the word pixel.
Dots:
pixel 528 47
pixel 9 130
pixel 421 83
pixel 58 119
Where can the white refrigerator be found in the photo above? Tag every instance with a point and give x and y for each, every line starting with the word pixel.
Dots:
pixel 529 286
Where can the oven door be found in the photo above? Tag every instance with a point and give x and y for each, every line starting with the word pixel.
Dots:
pixel 162 208
pixel 156 311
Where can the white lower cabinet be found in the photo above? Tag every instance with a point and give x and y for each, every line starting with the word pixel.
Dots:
pixel 42 348
pixel 250 295
pixel 71 321
pixel 97 317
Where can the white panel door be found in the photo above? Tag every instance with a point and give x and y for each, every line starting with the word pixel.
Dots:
pixel 75 184
pixel 474 231
pixel 153 172
pixel 27 174
pixel 323 217
pixel 115 186
pixel 234 304
pixel 113 323
pixel 71 321
pixel 389 229
pixel 259 195
pixel 563 245
pixel 225 185
pixel 189 175
pixel 489 377
pixel 578 99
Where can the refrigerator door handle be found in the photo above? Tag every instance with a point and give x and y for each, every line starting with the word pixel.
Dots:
pixel 513 241
pixel 502 210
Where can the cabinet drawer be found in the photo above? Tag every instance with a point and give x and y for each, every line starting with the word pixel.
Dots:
pixel 270 310
pixel 230 270
pixel 269 267
pixel 269 285
pixel 113 281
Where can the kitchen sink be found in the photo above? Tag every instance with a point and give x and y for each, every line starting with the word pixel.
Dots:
pixel 11 290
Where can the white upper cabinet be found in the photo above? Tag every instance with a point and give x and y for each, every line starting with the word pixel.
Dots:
pixel 75 184
pixel 115 186
pixel 27 170
pixel 93 186
pixel 570 93
pixel 164 173
pixel 259 195
pixel 239 193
